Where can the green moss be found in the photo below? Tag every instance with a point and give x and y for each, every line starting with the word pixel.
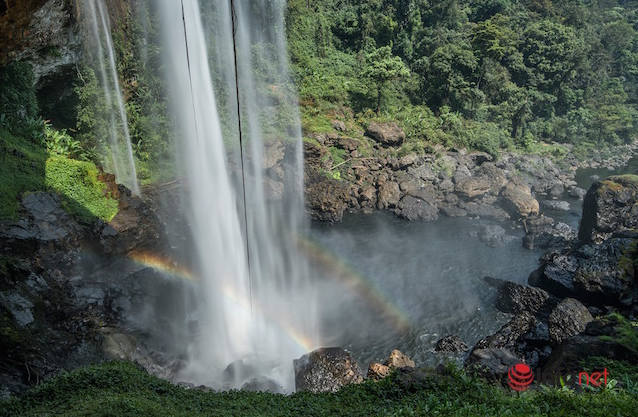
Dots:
pixel 84 195
pixel 21 169
pixel 626 331
pixel 338 155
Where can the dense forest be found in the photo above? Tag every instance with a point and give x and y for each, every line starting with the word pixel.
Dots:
pixel 532 76
pixel 482 74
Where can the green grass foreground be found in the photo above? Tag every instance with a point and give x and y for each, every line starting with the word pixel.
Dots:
pixel 121 389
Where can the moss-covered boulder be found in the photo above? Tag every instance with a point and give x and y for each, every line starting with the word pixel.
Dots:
pixel 610 206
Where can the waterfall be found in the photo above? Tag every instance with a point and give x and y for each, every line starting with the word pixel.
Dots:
pixel 121 160
pixel 256 307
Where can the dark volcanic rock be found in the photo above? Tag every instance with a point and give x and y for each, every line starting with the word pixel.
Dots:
pixel 569 318
pixel 134 227
pixel 556 275
pixel 544 233
pixel 508 336
pixel 609 207
pixel 602 337
pixel 491 363
pixel 451 343
pixel 326 369
pixel 388 134
pixel 412 208
pixel 326 198
pixel 517 298
pixel 596 275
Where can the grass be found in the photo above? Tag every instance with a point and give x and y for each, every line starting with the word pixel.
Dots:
pixel 25 166
pixel 121 389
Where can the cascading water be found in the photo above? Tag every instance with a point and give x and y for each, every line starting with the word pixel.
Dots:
pixel 256 308
pixel 121 160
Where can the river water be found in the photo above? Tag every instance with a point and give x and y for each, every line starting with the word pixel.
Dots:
pixel 394 284
pixel 387 283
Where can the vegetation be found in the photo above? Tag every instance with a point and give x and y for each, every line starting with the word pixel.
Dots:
pixel 35 156
pixel 121 389
pixel 483 74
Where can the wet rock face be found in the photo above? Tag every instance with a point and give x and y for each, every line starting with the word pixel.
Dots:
pixel 326 369
pixel 569 318
pixel 609 207
pixel 134 228
pixel 60 290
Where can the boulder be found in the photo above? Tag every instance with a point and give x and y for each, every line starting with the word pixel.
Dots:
pixel 399 360
pixel 596 275
pixel 473 186
pixel 326 369
pixel 578 193
pixel 544 233
pixel 339 126
pixel 326 198
pixel 518 198
pixel 349 144
pixel 510 335
pixel 412 208
pixel 491 363
pixel 569 318
pixel 602 337
pixel 388 134
pixel 389 195
pixel 609 207
pixel 486 179
pixel 377 371
pixel 517 298
pixel 450 343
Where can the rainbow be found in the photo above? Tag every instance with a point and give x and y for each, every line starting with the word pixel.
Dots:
pixel 356 281
pixel 163 264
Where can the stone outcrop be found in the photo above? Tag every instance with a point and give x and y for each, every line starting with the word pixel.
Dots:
pixel 609 207
pixel 326 369
pixel 63 294
pixel 595 275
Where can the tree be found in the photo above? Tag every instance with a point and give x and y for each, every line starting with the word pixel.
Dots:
pixel 382 67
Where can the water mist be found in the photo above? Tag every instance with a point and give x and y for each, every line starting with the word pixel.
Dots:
pixel 121 160
pixel 256 307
